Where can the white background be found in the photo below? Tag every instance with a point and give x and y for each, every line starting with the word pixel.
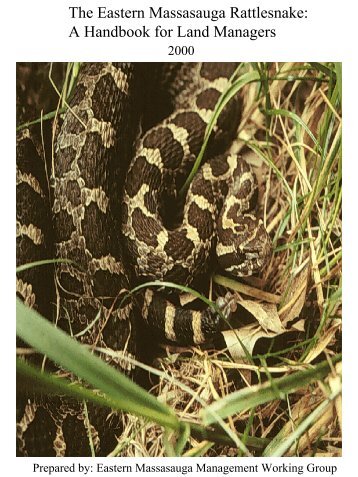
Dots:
pixel 38 30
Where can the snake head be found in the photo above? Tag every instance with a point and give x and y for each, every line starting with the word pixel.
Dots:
pixel 245 250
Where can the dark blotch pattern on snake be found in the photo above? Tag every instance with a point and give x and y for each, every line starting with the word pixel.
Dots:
pixel 218 208
pixel 109 198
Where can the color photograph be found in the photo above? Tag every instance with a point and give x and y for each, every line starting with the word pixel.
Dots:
pixel 179 260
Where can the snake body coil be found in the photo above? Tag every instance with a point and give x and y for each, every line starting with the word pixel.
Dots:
pixel 110 215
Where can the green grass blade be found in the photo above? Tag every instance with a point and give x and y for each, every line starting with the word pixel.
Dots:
pixel 68 353
pixel 183 439
pixel 260 394
pixel 324 69
pixel 271 164
pixel 31 379
pixel 181 288
pixel 39 263
pixel 298 121
pixel 338 67
pixel 200 450
pixel 45 117
pixel 223 100
pixel 279 446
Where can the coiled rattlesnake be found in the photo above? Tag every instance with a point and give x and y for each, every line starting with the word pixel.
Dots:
pixel 110 213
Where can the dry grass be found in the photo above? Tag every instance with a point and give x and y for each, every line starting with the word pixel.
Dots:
pixel 299 172
pixel 290 315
